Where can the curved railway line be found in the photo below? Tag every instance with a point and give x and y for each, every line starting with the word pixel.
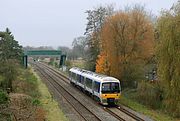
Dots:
pixel 83 111
pixel 86 114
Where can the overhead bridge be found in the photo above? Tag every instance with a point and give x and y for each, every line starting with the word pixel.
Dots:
pixel 56 53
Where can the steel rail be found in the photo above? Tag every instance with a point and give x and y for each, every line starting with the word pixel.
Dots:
pixel 115 115
pixel 60 75
pixel 54 70
pixel 53 84
pixel 130 114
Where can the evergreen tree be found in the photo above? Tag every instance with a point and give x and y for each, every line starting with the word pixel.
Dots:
pixel 10 55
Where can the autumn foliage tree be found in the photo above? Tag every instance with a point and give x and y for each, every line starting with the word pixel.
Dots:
pixel 102 65
pixel 128 41
pixel 95 18
pixel 168 57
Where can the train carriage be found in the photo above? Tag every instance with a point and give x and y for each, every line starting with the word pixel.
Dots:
pixel 104 89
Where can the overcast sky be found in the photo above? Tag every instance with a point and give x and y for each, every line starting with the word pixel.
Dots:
pixel 57 22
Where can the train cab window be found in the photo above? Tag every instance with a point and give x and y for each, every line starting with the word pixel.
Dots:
pixel 106 87
pixel 96 86
pixel 88 83
pixel 110 87
pixel 114 86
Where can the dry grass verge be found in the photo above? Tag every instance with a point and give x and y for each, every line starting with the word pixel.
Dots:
pixel 53 113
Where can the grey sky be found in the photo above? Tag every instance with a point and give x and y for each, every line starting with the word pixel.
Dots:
pixel 57 22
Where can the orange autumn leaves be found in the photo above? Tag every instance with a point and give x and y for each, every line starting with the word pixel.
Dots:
pixel 102 64
pixel 126 38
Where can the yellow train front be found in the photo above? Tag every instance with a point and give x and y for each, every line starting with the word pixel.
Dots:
pixel 110 91
pixel 104 89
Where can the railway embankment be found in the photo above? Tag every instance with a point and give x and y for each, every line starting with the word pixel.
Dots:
pixel 49 104
pixel 132 104
pixel 30 100
pixel 23 101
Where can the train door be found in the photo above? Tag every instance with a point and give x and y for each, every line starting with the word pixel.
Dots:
pixel 96 90
pixel 92 87
pixel 82 81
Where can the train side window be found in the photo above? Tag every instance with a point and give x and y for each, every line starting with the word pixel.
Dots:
pixel 70 74
pixel 96 86
pixel 73 76
pixel 88 82
pixel 82 79
pixel 79 78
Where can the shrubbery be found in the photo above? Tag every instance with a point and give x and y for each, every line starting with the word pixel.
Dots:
pixel 36 102
pixel 149 94
pixel 3 97
pixel 26 83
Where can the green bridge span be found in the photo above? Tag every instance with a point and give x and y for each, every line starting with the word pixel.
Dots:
pixel 56 53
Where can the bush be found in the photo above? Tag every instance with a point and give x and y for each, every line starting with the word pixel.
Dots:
pixel 149 94
pixel 3 97
pixel 171 104
pixel 36 102
pixel 56 64
pixel 51 63
pixel 25 83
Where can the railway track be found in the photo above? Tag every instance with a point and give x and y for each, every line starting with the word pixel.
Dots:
pixel 109 110
pixel 120 112
pixel 114 114
pixel 58 73
pixel 129 113
pixel 86 114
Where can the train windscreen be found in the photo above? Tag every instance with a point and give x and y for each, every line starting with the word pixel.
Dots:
pixel 110 87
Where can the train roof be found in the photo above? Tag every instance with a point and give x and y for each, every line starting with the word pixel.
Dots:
pixel 92 75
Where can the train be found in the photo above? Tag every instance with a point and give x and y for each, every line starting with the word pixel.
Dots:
pixel 104 89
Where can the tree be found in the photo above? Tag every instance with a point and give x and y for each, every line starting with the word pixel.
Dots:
pixel 79 45
pixel 95 22
pixel 38 48
pixel 64 49
pixel 128 40
pixel 9 48
pixel 102 65
pixel 9 71
pixel 10 55
pixel 168 57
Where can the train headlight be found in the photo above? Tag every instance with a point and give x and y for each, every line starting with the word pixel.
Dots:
pixel 104 100
pixel 103 96
pixel 119 95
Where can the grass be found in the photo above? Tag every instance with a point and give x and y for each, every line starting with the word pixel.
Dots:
pixel 78 63
pixel 26 82
pixel 156 115
pixel 49 104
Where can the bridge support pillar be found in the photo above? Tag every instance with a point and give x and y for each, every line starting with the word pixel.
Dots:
pixel 25 59
pixel 62 60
